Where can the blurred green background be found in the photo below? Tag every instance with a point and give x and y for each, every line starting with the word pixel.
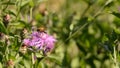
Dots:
pixel 87 31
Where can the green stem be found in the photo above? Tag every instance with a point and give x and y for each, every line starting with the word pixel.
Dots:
pixel 72 35
pixel 33 60
pixel 85 11
pixel 92 21
pixel 31 9
pixel 115 58
pixel 5 56
pixel 18 51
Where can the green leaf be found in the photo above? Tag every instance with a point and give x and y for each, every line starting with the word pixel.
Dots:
pixel 25 3
pixel 12 13
pixel 90 1
pixel 19 25
pixel 27 63
pixel 108 3
pixel 2 28
pixel 117 30
pixel 8 3
pixel 18 60
pixel 38 55
pixel 19 66
pixel 55 58
pixel 80 47
pixel 1 65
pixel 31 3
pixel 116 14
pixel 40 65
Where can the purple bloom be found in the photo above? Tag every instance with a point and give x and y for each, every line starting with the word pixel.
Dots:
pixel 49 41
pixel 26 41
pixel 35 34
pixel 37 42
pixel 43 35
pixel 40 40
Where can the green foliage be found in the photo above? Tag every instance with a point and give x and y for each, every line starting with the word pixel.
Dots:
pixel 87 32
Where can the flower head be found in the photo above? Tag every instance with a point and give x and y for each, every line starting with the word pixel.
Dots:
pixel 40 40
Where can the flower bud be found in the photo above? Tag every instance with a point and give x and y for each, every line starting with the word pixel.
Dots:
pixel 25 31
pixel 42 9
pixel 1 35
pixel 6 19
pixel 10 64
pixel 33 22
pixel 7 41
pixel 23 49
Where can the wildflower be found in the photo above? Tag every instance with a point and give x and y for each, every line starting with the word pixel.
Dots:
pixel 40 40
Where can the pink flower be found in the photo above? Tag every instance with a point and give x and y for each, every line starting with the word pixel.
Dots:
pixel 26 41
pixel 43 35
pixel 40 40
pixel 49 41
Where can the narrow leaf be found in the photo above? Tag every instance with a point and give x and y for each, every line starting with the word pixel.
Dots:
pixel 116 14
